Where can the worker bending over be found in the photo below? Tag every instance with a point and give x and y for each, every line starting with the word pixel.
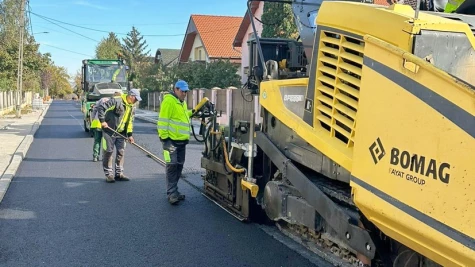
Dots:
pixel 117 114
pixel 96 128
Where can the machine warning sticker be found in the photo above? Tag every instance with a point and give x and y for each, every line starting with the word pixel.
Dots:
pixel 411 167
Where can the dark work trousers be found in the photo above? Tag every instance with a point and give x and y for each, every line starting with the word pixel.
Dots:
pixel 109 141
pixel 174 167
pixel 96 148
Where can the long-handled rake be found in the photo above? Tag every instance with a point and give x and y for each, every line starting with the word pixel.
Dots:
pixel 150 154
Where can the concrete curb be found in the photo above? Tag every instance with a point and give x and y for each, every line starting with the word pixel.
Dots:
pixel 19 155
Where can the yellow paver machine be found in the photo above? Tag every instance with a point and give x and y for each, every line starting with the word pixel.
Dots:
pixel 364 149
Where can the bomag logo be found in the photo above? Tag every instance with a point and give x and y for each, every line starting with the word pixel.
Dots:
pixel 377 151
pixel 411 167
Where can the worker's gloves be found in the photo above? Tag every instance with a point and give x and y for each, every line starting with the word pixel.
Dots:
pixel 195 113
pixel 168 145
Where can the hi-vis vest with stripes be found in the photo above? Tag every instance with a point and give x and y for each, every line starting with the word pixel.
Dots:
pixel 174 119
pixel 452 5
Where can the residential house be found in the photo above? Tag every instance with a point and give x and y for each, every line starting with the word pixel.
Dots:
pixel 166 57
pixel 384 2
pixel 245 32
pixel 210 38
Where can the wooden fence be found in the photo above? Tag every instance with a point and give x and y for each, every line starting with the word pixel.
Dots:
pixel 8 100
pixel 225 100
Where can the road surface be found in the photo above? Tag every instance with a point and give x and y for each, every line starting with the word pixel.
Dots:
pixel 59 211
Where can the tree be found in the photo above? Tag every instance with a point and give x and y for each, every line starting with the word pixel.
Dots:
pixel 46 79
pixel 109 47
pixel 33 60
pixel 33 64
pixel 278 21
pixel 60 85
pixel 223 73
pixel 150 76
pixel 220 73
pixel 135 49
pixel 9 26
pixel 77 82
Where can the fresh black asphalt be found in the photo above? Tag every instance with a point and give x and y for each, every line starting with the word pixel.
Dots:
pixel 59 211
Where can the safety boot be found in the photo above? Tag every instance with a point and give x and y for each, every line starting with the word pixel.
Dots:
pixel 173 199
pixel 110 179
pixel 121 177
pixel 180 196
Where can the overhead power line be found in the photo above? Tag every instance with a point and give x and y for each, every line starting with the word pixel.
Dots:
pixel 67 50
pixel 55 22
pixel 70 24
pixel 118 33
pixel 47 19
pixel 29 17
pixel 131 24
pixel 53 30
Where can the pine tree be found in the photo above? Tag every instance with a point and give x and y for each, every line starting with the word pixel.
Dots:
pixel 109 47
pixel 134 49
pixel 278 21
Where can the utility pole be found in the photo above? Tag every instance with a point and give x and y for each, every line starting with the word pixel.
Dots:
pixel 20 59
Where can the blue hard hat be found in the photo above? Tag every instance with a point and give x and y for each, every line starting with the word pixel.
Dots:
pixel 182 85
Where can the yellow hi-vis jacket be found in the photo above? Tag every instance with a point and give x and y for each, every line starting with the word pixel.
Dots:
pixel 174 119
pixel 96 124
pixel 118 114
pixel 452 5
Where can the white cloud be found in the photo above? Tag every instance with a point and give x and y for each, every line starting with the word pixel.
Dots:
pixel 89 4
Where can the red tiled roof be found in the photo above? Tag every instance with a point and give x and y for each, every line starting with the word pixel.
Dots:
pixel 245 24
pixel 217 34
pixel 381 2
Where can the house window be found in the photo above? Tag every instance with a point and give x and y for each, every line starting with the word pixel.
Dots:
pixel 199 53
pixel 158 56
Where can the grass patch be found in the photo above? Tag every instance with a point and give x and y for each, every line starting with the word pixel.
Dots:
pixel 24 111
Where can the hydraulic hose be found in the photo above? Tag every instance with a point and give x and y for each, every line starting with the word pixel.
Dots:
pixel 205 136
pixel 227 160
pixel 222 140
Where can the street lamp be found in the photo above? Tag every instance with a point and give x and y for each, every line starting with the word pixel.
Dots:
pixel 39 32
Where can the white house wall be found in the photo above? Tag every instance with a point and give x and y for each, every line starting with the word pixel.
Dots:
pixel 198 43
pixel 245 50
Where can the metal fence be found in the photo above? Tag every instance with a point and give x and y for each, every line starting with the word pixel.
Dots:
pixel 226 100
pixel 8 100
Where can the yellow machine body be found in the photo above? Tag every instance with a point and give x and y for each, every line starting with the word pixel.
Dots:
pixel 402 127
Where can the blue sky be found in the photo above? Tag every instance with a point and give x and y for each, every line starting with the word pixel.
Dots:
pixel 149 17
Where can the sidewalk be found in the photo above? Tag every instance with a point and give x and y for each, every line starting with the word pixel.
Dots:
pixel 17 136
